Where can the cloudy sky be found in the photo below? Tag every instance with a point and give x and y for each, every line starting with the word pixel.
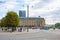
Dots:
pixel 48 9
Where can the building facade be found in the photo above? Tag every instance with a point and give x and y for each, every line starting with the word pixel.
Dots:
pixel 22 13
pixel 32 22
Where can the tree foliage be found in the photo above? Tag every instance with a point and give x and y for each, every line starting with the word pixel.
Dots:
pixel 12 19
pixel 57 25
pixel 3 22
pixel 0 24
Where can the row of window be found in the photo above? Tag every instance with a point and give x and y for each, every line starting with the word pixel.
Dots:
pixel 30 22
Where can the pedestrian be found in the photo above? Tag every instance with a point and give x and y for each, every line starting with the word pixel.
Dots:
pixel 2 28
pixel 21 29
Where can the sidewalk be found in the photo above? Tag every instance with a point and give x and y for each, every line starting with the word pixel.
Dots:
pixel 23 32
pixel 56 31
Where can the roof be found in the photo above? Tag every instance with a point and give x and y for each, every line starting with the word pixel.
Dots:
pixel 31 18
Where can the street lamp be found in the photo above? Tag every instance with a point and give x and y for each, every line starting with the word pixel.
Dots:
pixel 27 16
pixel 27 11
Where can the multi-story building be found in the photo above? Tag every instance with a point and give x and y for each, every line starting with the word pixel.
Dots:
pixel 22 13
pixel 32 22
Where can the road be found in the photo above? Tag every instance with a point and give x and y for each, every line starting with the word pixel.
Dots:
pixel 41 35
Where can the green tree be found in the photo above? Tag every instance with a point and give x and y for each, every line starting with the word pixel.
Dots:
pixel 57 25
pixel 3 22
pixel 12 19
pixel 0 24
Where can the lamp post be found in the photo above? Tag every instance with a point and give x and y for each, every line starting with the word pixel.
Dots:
pixel 27 17
pixel 27 11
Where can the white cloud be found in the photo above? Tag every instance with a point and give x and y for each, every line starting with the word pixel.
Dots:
pixel 50 8
pixel 32 2
pixel 8 5
pixel 45 10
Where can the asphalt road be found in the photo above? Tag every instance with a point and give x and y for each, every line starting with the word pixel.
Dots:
pixel 41 35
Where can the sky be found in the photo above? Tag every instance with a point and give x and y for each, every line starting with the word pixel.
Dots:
pixel 47 9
